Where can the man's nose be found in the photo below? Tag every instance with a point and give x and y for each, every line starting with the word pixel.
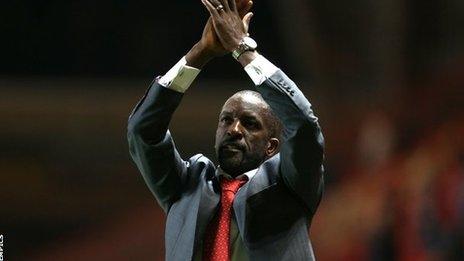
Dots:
pixel 235 129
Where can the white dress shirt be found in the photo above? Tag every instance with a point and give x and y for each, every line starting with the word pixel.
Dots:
pixel 181 76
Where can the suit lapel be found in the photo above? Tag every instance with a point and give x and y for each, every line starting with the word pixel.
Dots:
pixel 264 177
pixel 253 186
pixel 209 201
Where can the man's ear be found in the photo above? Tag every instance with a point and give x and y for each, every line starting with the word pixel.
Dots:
pixel 272 147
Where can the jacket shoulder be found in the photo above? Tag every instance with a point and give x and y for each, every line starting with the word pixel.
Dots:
pixel 199 164
pixel 200 159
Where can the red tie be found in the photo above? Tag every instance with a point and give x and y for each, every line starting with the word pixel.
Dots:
pixel 217 238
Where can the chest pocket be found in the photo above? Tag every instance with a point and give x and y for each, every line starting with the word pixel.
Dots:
pixel 272 211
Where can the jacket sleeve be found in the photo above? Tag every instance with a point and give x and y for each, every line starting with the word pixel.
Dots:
pixel 302 149
pixel 151 146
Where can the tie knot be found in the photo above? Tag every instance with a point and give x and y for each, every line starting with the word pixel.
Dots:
pixel 232 184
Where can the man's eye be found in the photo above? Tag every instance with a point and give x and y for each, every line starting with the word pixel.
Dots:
pixel 226 119
pixel 251 124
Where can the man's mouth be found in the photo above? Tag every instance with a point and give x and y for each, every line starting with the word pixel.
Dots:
pixel 232 147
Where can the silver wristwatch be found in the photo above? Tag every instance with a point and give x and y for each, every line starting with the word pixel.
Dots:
pixel 247 44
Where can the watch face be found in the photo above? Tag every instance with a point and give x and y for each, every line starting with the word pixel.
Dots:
pixel 250 42
pixel 247 44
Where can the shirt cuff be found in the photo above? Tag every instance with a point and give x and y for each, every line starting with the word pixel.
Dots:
pixel 260 69
pixel 180 77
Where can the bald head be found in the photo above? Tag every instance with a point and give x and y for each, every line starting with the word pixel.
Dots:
pixel 251 97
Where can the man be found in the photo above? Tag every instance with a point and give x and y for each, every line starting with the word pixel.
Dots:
pixel 259 202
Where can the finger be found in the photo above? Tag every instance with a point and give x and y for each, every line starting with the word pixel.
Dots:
pixel 246 21
pixel 233 6
pixel 245 8
pixel 225 3
pixel 211 9
pixel 241 3
pixel 217 4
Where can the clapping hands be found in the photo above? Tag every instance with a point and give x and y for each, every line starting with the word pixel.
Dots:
pixel 228 23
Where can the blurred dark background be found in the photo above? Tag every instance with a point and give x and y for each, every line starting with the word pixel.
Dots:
pixel 385 77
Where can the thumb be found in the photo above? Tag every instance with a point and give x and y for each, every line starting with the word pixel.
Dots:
pixel 246 20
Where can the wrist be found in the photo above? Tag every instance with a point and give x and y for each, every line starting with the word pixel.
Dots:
pixel 247 57
pixel 198 56
pixel 247 44
pixel 237 42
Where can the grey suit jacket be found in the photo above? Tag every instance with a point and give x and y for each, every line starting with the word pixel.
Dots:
pixel 273 210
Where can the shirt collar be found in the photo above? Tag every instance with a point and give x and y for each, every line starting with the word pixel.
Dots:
pixel 249 174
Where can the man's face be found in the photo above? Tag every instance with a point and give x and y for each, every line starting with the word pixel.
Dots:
pixel 242 137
